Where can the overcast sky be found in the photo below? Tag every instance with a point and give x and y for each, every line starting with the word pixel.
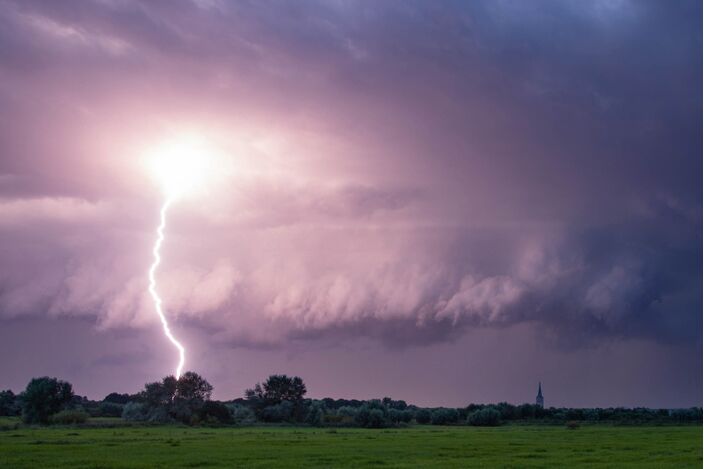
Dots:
pixel 443 202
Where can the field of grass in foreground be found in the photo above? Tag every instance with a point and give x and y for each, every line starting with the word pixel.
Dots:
pixel 417 446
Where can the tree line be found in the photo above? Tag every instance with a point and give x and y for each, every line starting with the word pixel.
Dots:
pixel 280 399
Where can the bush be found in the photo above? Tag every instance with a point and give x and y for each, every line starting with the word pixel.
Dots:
pixel 281 412
pixel 371 415
pixel 161 415
pixel 215 412
pixel 444 416
pixel 315 414
pixel 9 404
pixel 110 409
pixel 423 416
pixel 68 417
pixel 117 398
pixel 487 417
pixel 347 411
pixel 134 412
pixel 241 414
pixel 376 419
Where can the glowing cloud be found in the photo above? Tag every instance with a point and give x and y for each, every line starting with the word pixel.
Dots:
pixel 181 166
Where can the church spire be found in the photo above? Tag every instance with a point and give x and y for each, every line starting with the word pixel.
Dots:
pixel 539 398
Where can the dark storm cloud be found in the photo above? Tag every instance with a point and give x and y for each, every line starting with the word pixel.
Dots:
pixel 414 171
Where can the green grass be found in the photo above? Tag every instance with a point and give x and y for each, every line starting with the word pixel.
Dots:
pixel 418 446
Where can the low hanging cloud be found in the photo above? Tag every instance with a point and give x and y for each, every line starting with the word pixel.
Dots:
pixel 403 171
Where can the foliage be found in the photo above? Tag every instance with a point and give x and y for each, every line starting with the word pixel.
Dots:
pixel 423 416
pixel 215 412
pixel 43 397
pixel 135 412
pixel 9 403
pixel 444 416
pixel 487 417
pixel 242 414
pixel 399 416
pixel 117 398
pixel 281 412
pixel 278 399
pixel 191 387
pixel 372 415
pixel 278 388
pixel 181 400
pixel 109 409
pixel 316 411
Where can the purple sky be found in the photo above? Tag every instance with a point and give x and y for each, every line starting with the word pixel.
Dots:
pixel 443 202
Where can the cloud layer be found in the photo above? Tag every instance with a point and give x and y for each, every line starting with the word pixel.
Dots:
pixel 401 171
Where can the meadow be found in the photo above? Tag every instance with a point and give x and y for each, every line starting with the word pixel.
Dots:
pixel 110 446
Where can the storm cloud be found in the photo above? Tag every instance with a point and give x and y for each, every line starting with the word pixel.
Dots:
pixel 400 172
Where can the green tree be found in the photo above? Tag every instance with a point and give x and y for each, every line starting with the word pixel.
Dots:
pixel 279 388
pixel 423 416
pixel 266 398
pixel 44 397
pixel 8 403
pixel 192 387
pixel 487 417
pixel 117 398
pixel 181 399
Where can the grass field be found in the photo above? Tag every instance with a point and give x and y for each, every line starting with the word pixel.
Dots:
pixel 417 446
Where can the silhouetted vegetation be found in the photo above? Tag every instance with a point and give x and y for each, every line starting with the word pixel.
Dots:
pixel 44 397
pixel 280 399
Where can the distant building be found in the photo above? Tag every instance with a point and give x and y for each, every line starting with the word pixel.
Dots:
pixel 539 397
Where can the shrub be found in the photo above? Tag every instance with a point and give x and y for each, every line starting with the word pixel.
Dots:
pixel 68 417
pixel 241 414
pixel 117 398
pixel 423 416
pixel 110 409
pixel 161 415
pixel 444 416
pixel 134 412
pixel 376 419
pixel 346 415
pixel 315 414
pixel 347 411
pixel 281 412
pixel 215 412
pixel 406 416
pixel 487 417
pixel 9 404
pixel 371 415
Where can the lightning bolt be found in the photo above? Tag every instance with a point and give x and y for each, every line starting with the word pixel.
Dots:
pixel 152 286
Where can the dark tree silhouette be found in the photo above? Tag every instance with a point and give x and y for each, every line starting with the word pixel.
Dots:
pixel 279 399
pixel 192 387
pixel 43 397
pixel 277 388
pixel 8 403
pixel 117 398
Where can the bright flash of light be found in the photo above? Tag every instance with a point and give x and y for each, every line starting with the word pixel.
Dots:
pixel 181 166
pixel 152 286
